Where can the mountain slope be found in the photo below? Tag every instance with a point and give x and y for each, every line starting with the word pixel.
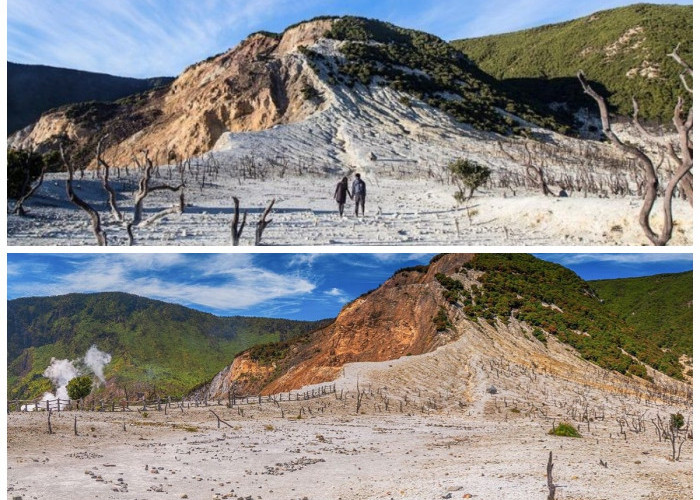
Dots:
pixel 253 86
pixel 34 89
pixel 518 297
pixel 154 345
pixel 276 79
pixel 622 49
pixel 660 308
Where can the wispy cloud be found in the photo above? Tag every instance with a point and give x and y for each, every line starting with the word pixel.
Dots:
pixel 622 259
pixel 161 37
pixel 219 282
pixel 129 37
pixel 339 295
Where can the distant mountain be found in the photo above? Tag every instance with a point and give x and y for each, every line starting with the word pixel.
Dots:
pixel 552 315
pixel 155 346
pixel 624 50
pixel 34 89
pixel 660 308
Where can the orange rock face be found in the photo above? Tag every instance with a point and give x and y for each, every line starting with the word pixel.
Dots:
pixel 393 321
pixel 251 87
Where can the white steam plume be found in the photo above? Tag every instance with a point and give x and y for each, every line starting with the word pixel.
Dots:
pixel 96 361
pixel 62 371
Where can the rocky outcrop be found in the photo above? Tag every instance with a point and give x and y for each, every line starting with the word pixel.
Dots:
pixel 390 338
pixel 393 321
pixel 254 86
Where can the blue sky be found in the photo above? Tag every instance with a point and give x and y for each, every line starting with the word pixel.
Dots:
pixel 143 38
pixel 295 286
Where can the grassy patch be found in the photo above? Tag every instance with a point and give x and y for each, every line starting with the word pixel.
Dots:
pixel 565 430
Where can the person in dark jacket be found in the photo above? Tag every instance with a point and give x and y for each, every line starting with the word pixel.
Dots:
pixel 359 191
pixel 341 194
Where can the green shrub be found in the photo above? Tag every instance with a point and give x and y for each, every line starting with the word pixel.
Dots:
pixel 539 335
pixel 638 370
pixel 79 387
pixel 565 430
pixel 676 421
pixel 309 92
pixel 470 176
pixel 406 101
pixel 441 321
pixel 24 167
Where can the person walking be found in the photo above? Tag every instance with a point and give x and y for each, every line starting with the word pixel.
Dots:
pixel 341 194
pixel 359 191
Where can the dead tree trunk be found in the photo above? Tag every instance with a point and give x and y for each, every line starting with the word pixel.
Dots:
pixel 684 129
pixel 687 69
pixel 262 223
pixel 111 195
pixel 76 200
pixel 550 482
pixel 236 231
pixel 19 206
pixel 647 167
pixel 144 190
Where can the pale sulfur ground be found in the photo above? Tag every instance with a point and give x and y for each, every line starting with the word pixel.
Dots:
pixel 329 455
pixel 410 211
pixel 426 428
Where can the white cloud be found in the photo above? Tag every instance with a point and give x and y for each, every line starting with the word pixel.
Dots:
pixel 303 259
pixel 132 37
pixel 339 295
pixel 220 281
pixel 617 258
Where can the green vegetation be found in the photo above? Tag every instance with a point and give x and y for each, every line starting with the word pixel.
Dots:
pixel 551 299
pixel 539 334
pixel 309 92
pixel 470 176
pixel 620 49
pixel 441 321
pixel 676 421
pixel 412 269
pixel 271 352
pixel 453 288
pixel 429 69
pixel 79 387
pixel 660 309
pixel 33 90
pixel 24 167
pixel 156 347
pixel 565 430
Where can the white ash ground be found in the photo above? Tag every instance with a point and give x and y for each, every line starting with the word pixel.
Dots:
pixel 425 428
pixel 334 454
pixel 411 211
pixel 402 151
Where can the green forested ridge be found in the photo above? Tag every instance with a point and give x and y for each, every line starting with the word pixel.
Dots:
pixel 555 300
pixel 154 345
pixel 33 90
pixel 541 63
pixel 660 308
pixel 428 68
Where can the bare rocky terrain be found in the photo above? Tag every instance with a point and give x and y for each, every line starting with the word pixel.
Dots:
pixel 469 419
pixel 260 139
pixel 453 442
